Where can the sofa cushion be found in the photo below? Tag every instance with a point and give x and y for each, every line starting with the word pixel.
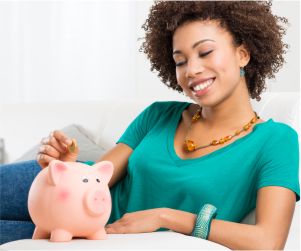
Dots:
pixel 89 150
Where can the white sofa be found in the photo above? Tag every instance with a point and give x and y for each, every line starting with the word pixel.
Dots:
pixel 23 126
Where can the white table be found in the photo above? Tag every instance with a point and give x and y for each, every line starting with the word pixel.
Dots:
pixel 147 241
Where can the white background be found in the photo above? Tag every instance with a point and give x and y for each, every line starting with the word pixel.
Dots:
pixel 53 51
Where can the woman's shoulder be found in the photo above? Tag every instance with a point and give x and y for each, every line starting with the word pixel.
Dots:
pixel 168 105
pixel 282 127
pixel 278 129
pixel 276 142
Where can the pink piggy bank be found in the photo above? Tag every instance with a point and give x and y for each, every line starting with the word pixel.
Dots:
pixel 71 199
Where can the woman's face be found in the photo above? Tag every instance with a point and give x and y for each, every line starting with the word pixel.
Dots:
pixel 207 62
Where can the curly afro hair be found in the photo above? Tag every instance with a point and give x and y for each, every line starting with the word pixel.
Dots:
pixel 249 22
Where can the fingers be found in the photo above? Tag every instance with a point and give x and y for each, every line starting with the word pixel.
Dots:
pixel 44 159
pixel 117 229
pixel 110 230
pixel 50 151
pixel 55 146
pixel 120 226
pixel 61 137
pixel 50 144
pixel 57 140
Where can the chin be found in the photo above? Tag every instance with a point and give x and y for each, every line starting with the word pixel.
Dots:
pixel 209 101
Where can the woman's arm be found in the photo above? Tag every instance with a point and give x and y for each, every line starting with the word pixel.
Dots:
pixel 119 156
pixel 274 212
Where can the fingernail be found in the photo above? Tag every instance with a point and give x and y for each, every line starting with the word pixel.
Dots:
pixel 68 141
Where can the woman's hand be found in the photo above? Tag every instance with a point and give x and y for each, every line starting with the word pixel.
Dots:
pixel 138 222
pixel 55 146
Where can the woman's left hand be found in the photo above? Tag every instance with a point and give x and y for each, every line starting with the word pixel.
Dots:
pixel 137 222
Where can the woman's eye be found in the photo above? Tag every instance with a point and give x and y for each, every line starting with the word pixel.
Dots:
pixel 98 180
pixel 205 54
pixel 200 55
pixel 180 63
pixel 85 180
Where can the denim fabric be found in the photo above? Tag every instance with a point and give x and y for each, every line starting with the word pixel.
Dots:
pixel 15 230
pixel 15 182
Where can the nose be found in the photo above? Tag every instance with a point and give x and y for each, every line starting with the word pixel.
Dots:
pixel 95 202
pixel 194 68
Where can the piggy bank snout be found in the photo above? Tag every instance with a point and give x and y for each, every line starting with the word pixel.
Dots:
pixel 96 201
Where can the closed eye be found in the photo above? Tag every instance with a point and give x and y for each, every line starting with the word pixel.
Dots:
pixel 180 63
pixel 202 55
pixel 205 54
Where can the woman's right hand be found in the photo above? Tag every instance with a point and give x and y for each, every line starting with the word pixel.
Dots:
pixel 56 146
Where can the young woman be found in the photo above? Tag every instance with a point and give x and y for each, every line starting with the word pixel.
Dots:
pixel 197 168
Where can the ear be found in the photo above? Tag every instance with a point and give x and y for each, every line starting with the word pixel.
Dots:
pixel 105 168
pixel 243 55
pixel 55 169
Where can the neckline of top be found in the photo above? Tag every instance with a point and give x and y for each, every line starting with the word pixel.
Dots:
pixel 175 124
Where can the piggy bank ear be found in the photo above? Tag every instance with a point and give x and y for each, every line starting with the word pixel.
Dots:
pixel 55 170
pixel 105 168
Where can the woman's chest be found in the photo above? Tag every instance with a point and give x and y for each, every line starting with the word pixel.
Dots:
pixel 201 138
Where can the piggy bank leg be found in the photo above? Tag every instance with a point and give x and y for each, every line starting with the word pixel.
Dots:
pixel 99 235
pixel 60 235
pixel 40 234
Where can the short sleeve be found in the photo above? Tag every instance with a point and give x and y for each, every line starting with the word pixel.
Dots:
pixel 279 162
pixel 140 126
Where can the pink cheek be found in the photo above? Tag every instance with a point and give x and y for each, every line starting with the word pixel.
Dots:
pixel 64 194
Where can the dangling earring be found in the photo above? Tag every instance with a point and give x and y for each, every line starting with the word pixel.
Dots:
pixel 242 72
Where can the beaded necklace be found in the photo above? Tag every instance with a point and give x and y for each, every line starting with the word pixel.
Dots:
pixel 190 146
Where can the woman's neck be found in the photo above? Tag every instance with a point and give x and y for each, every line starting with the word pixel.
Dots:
pixel 231 113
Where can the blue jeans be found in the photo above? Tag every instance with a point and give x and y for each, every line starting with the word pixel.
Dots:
pixel 15 182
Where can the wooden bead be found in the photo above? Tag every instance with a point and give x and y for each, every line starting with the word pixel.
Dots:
pixel 221 141
pixel 247 126
pixel 215 142
pixel 227 138
pixel 189 145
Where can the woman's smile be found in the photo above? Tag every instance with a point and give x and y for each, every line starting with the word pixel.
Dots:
pixel 201 87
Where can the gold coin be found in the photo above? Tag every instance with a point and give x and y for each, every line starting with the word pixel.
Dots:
pixel 72 147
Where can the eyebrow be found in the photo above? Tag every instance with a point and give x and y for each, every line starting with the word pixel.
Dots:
pixel 194 45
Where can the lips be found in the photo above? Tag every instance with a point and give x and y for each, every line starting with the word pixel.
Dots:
pixel 199 87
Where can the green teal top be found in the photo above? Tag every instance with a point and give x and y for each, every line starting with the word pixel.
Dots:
pixel 228 178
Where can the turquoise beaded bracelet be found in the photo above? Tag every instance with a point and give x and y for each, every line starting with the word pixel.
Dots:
pixel 203 221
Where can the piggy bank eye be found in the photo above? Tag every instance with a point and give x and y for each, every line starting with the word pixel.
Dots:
pixel 98 180
pixel 85 180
